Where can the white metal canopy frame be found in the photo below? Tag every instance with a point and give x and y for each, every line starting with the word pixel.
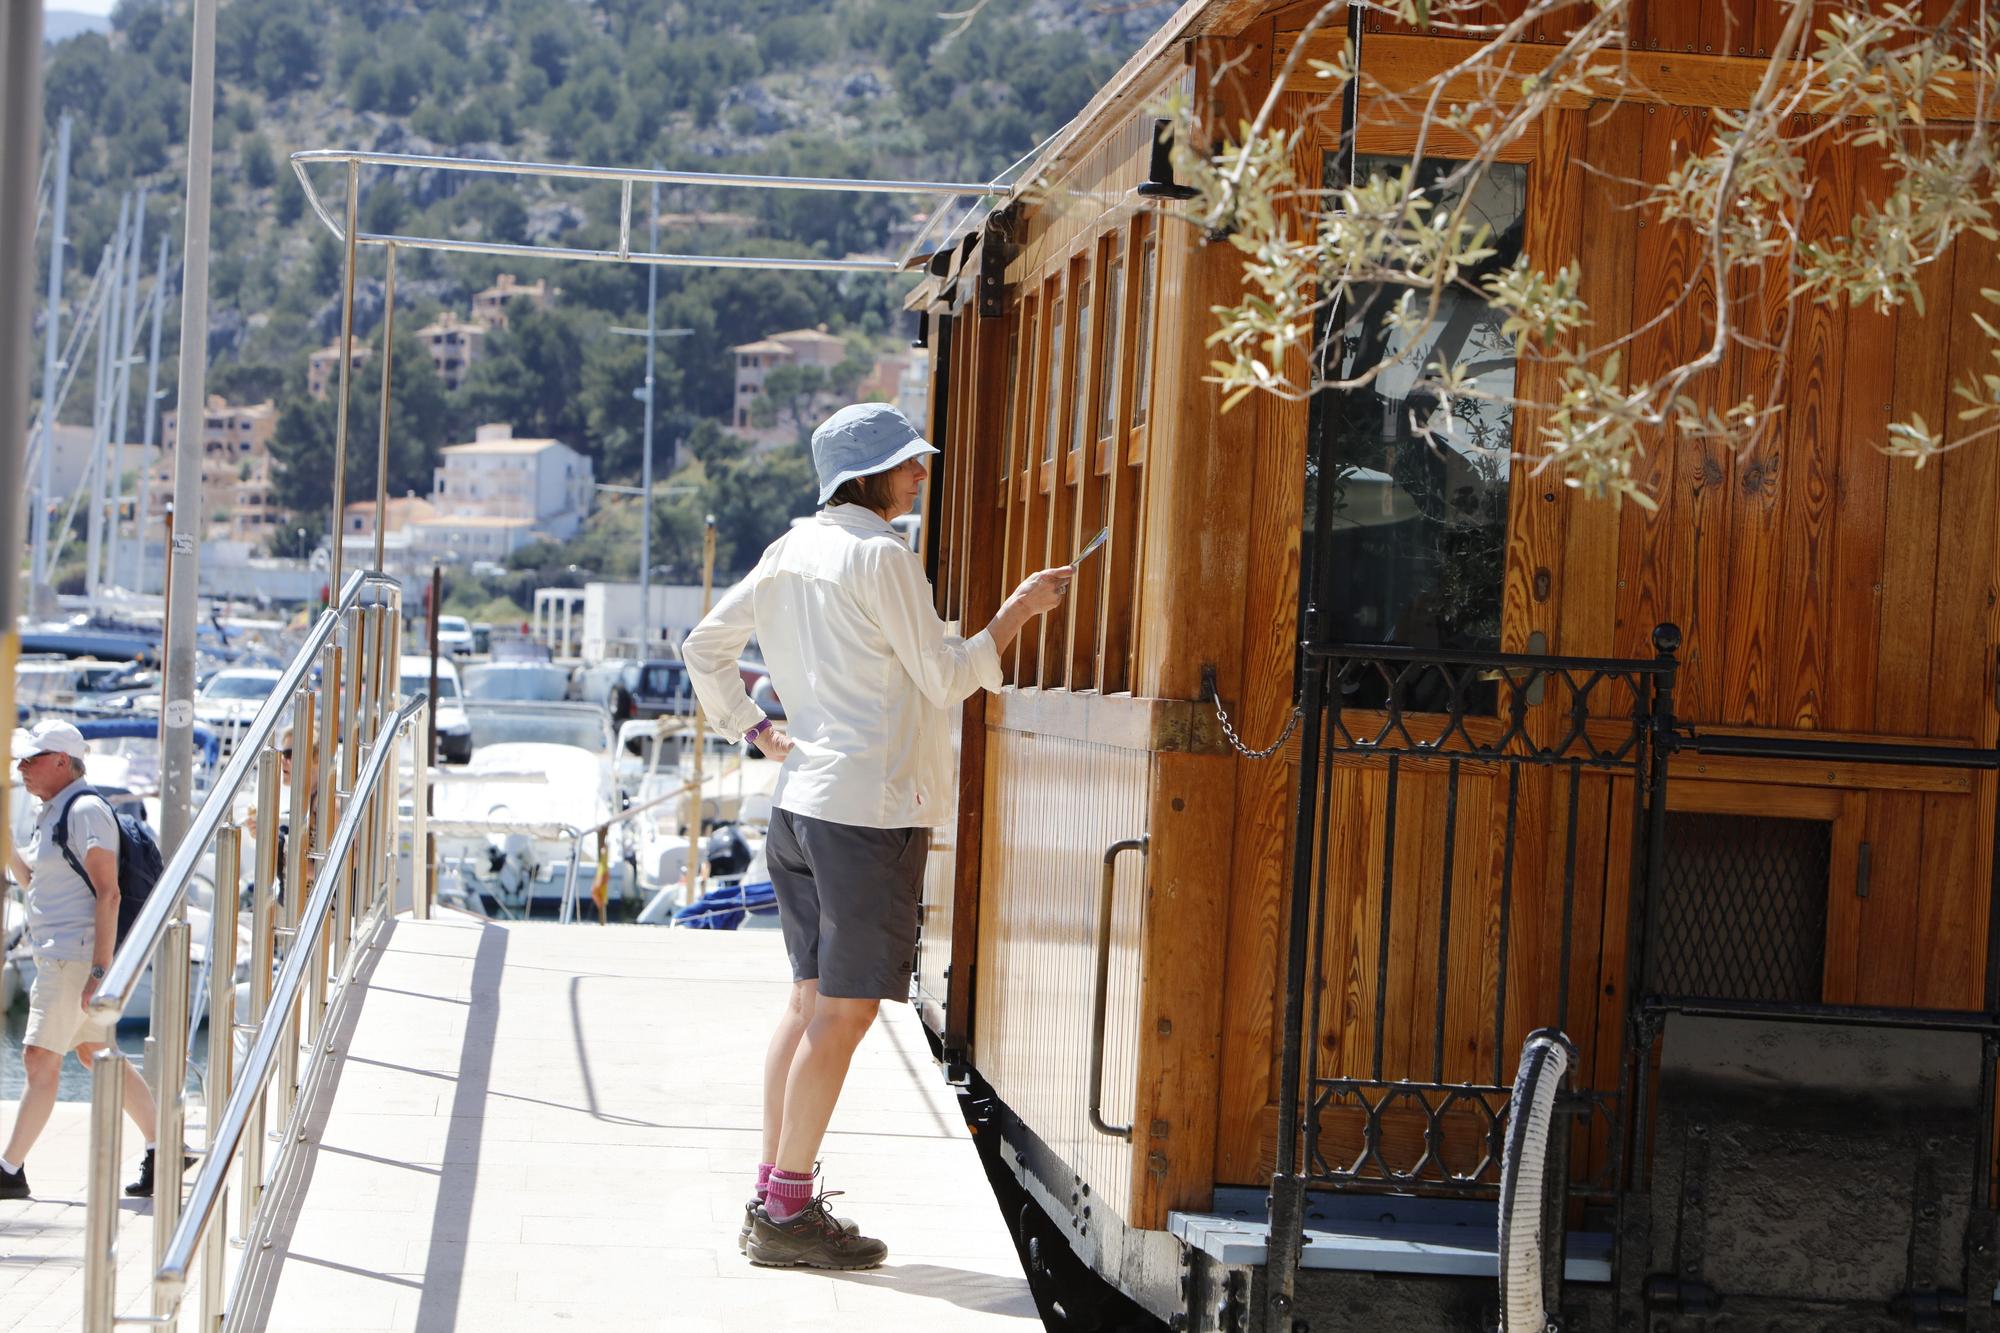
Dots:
pixel 347 231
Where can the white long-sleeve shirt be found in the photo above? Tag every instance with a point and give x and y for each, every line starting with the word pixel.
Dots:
pixel 865 668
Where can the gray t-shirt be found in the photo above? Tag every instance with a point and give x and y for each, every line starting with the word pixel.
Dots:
pixel 62 908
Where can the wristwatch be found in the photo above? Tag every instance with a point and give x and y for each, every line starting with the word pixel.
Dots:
pixel 757 730
pixel 96 973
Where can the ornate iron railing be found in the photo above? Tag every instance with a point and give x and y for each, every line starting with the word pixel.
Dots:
pixel 1430 886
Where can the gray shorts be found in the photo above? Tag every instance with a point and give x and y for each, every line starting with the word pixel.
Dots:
pixel 848 902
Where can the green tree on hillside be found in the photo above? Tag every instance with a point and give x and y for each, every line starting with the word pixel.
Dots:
pixel 419 425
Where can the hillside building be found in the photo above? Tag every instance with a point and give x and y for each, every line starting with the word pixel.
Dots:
pixel 323 367
pixel 454 344
pixel 238 503
pixel 497 493
pixel 756 360
pixel 489 307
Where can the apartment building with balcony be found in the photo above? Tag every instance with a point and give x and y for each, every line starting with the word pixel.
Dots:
pixel 497 493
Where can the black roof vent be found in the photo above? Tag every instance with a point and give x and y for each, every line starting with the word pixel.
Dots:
pixel 1160 174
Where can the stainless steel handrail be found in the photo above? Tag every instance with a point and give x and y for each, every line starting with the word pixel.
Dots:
pixel 625 178
pixel 342 868
pixel 136 954
pixel 227 1137
pixel 1101 984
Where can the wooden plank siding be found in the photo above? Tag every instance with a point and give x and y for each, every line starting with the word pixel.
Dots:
pixel 1062 803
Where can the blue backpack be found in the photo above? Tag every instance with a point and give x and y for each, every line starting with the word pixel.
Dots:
pixel 139 859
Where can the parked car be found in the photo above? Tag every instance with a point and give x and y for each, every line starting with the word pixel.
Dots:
pixel 596 682
pixel 454 636
pixel 658 687
pixel 516 682
pixel 453 731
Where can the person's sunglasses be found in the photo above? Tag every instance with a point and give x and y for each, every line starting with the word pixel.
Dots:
pixel 285 753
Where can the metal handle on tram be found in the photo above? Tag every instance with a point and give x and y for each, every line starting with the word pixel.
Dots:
pixel 1102 985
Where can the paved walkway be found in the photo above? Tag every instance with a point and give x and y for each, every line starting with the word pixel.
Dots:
pixel 41 1239
pixel 547 1127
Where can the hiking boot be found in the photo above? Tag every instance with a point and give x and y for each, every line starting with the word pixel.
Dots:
pixel 14 1184
pixel 142 1188
pixel 814 1238
pixel 750 1222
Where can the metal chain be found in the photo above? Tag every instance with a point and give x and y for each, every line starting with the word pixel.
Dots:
pixel 1237 741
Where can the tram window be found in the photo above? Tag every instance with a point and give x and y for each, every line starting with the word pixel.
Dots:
pixel 1107 361
pixel 1142 342
pixel 1007 410
pixel 1056 329
pixel 1420 521
pixel 1080 379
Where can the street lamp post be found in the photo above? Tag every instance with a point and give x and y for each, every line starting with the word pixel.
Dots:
pixel 645 395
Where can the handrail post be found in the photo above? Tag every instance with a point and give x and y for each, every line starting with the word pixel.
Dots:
pixel 170 1008
pixel 352 697
pixel 263 948
pixel 324 782
pixel 420 832
pixel 100 1214
pixel 305 767
pixel 222 1041
pixel 389 698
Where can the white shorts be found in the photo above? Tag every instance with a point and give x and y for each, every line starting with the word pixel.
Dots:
pixel 56 1018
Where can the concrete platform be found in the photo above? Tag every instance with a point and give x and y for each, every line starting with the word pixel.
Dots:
pixel 41 1239
pixel 547 1127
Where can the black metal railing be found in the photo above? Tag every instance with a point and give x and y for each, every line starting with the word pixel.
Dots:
pixel 1469 882
pixel 1495 731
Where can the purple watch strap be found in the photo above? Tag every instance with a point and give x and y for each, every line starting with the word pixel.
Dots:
pixel 757 730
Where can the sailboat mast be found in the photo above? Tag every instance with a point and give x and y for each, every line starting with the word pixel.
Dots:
pixel 51 359
pixel 150 416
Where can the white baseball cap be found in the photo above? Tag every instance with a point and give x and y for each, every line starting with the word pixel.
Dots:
pixel 53 736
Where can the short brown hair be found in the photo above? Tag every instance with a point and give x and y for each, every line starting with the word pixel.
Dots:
pixel 870 492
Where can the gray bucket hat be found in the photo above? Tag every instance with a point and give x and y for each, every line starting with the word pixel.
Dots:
pixel 861 440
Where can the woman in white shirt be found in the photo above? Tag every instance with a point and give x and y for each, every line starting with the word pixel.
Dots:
pixel 868 673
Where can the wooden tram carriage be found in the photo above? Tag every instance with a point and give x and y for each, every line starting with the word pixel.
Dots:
pixel 1745 864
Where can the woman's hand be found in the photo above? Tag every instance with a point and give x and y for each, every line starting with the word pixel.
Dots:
pixel 774 742
pixel 1044 591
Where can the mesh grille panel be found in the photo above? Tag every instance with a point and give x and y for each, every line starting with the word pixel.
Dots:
pixel 1742 908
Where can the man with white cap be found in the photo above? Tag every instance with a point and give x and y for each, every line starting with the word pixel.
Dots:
pixel 867 671
pixel 72 931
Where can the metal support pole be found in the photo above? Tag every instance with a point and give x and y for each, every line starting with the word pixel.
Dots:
pixel 646 449
pixel 51 355
pixel 177 709
pixel 382 442
pixel 346 372
pixel 100 1213
pixel 330 697
pixel 20 150
pixel 263 956
pixel 128 337
pixel 222 1051
pixel 170 1014
pixel 420 816
pixel 103 394
pixel 298 842
pixel 150 417
pixel 695 842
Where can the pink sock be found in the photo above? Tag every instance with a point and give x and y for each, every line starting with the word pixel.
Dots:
pixel 764 1179
pixel 790 1192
